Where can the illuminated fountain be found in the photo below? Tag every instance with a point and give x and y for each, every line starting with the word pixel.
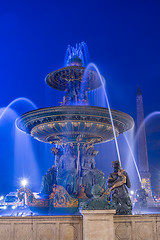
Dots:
pixel 74 128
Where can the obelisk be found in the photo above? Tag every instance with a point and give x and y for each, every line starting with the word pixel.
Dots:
pixel 142 149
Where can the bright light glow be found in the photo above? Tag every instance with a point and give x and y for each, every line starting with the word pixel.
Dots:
pixel 14 207
pixel 24 182
pixel 131 192
pixel 3 207
pixel 1 198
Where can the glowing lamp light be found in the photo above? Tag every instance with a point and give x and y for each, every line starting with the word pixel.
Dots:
pixel 1 198
pixel 131 192
pixel 14 207
pixel 24 182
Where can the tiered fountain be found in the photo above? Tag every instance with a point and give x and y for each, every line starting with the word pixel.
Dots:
pixel 73 128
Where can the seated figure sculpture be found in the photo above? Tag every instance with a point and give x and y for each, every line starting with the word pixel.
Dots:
pixel 90 174
pixel 118 182
pixel 66 171
pixel 50 177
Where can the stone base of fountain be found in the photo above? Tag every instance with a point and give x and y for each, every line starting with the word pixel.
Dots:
pixel 96 225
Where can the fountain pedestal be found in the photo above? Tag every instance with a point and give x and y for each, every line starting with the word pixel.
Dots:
pixel 98 224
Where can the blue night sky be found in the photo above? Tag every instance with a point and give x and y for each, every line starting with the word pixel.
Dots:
pixel 123 38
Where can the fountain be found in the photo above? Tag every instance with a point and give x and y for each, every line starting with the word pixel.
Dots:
pixel 74 127
pixel 73 188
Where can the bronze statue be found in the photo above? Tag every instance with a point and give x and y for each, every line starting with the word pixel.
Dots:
pixel 118 182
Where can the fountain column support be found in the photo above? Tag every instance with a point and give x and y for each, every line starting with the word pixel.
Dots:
pixel 98 224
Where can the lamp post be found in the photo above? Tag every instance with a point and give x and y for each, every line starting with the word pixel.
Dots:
pixel 24 183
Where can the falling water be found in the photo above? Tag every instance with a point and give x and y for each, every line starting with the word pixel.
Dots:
pixel 7 149
pixel 92 65
pixel 15 101
pixel 81 51
pixel 97 98
pixel 134 160
pixel 147 118
pixel 20 145
pixel 25 159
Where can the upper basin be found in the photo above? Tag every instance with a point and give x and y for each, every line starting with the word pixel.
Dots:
pixel 62 78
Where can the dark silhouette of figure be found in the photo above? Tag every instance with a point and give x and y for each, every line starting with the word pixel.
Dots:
pixel 118 182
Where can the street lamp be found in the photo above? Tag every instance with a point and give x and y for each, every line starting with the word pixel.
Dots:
pixel 24 183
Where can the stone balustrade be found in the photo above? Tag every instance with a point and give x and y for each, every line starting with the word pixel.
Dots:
pixel 96 224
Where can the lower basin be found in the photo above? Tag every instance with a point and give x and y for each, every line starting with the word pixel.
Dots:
pixel 74 124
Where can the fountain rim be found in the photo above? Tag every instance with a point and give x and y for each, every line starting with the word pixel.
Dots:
pixel 96 84
pixel 30 114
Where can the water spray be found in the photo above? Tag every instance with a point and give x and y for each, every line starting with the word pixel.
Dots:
pixel 14 101
pixel 140 180
pixel 109 109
